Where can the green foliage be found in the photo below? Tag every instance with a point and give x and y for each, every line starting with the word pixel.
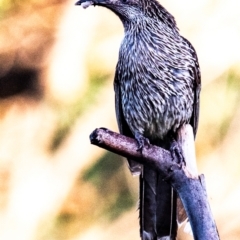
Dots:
pixel 5 6
pixel 109 179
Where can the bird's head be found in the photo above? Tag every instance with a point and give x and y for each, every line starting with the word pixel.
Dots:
pixel 133 10
pixel 125 9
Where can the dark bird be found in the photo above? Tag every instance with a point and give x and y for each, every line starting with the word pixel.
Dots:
pixel 157 86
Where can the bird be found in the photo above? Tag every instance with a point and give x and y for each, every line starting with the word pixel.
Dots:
pixel 157 87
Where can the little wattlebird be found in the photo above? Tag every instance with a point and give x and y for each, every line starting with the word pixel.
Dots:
pixel 157 86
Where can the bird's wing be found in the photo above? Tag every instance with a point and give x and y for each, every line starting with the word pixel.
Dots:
pixel 197 88
pixel 124 129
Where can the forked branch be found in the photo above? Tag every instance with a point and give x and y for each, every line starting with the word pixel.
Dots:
pixel 189 186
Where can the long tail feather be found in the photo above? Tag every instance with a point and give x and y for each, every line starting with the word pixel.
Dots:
pixel 148 186
pixel 166 211
pixel 157 207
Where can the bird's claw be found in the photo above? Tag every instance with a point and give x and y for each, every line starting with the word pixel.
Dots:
pixel 142 142
pixel 177 154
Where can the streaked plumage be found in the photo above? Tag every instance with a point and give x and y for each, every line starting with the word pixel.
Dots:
pixel 157 86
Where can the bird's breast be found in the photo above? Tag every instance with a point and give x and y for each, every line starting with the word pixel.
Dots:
pixel 153 110
pixel 156 86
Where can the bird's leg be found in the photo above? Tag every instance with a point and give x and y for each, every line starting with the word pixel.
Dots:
pixel 177 154
pixel 141 140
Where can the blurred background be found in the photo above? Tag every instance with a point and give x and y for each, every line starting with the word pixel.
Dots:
pixel 57 65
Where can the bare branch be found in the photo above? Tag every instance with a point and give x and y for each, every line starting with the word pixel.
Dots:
pixel 191 189
pixel 154 156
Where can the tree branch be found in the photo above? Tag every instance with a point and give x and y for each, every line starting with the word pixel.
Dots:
pixel 190 188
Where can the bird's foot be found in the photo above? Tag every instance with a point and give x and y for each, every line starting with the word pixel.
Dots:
pixel 142 141
pixel 177 154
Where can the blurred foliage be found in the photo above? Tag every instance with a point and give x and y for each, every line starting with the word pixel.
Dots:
pixel 220 100
pixel 108 177
pixel 68 114
pixel 5 5
pixel 101 194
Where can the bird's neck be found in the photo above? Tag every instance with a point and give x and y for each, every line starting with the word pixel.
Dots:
pixel 152 14
pixel 134 24
pixel 148 27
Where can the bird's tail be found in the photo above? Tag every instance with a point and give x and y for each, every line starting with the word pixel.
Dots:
pixel 157 207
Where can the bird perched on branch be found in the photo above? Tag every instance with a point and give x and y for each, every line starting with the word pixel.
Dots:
pixel 157 86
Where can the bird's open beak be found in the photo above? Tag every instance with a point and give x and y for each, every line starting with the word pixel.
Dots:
pixel 87 3
pixel 81 1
